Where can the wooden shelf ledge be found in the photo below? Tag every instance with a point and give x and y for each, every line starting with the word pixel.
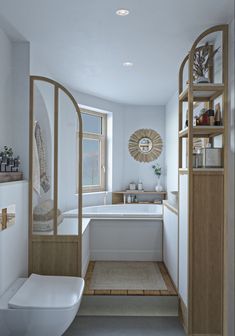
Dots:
pixel 203 131
pixel 140 192
pixel 203 171
pixel 203 92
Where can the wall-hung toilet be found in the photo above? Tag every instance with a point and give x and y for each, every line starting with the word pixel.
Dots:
pixel 40 305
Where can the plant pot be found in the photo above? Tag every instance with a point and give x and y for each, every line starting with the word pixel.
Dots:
pixel 159 186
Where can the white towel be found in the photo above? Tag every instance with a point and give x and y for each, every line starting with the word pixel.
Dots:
pixel 44 180
pixel 36 164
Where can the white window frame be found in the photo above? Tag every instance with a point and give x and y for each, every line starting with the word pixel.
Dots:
pixel 102 140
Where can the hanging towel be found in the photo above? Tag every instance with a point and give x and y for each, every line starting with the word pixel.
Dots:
pixel 36 165
pixel 44 180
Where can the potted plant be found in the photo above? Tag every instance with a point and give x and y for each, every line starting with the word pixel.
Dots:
pixel 158 172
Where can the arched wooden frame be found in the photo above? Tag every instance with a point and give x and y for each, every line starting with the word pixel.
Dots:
pixel 189 318
pixel 55 254
pixel 134 145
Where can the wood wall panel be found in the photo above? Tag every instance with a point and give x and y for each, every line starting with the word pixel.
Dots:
pixel 207 254
pixel 55 258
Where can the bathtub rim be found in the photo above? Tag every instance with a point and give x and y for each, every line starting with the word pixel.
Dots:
pixel 118 216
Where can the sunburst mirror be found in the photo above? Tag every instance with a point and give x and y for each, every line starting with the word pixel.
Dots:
pixel 145 145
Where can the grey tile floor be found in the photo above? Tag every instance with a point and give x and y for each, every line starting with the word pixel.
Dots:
pixel 125 326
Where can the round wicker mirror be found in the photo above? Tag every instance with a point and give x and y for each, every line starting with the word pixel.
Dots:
pixel 145 145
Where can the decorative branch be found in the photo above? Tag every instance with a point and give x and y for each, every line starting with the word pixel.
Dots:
pixel 203 59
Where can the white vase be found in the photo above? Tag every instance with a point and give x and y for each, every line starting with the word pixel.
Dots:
pixel 158 186
pixel 202 79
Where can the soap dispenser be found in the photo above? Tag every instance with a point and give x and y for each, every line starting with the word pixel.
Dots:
pixel 140 186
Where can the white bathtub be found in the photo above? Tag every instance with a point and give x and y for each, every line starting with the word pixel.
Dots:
pixel 120 211
pixel 123 232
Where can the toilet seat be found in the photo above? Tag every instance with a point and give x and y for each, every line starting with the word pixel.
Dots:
pixel 48 292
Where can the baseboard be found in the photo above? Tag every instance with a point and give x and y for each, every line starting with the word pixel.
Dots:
pixel 183 315
pixel 126 255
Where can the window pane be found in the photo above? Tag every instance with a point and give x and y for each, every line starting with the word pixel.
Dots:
pixel 92 123
pixel 91 162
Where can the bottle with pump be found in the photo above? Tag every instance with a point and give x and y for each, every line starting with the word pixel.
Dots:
pixel 140 185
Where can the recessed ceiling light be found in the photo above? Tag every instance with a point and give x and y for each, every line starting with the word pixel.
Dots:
pixel 122 12
pixel 127 64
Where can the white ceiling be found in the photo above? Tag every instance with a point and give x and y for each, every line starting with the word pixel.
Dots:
pixel 83 43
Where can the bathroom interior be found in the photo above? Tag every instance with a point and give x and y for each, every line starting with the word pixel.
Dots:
pixel 116 168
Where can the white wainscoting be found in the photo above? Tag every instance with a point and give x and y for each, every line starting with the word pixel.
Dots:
pixel 183 238
pixel 85 250
pixel 170 243
pixel 137 240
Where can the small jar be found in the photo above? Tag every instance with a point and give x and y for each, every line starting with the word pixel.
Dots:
pixel 132 186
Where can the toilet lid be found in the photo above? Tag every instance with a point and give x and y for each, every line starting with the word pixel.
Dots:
pixel 48 292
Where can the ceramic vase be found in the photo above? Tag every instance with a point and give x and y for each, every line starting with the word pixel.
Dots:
pixel 202 79
pixel 158 186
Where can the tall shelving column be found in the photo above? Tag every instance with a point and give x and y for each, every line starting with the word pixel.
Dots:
pixel 202 204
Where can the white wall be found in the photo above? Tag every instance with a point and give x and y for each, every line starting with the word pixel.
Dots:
pixel 20 102
pixel 125 120
pixel 14 116
pixel 171 152
pixel 136 117
pixel 14 240
pixel 14 97
pixel 5 90
pixel 122 168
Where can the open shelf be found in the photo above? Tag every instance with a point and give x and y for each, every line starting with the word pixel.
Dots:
pixel 140 192
pixel 202 170
pixel 118 196
pixel 155 203
pixel 203 92
pixel 203 131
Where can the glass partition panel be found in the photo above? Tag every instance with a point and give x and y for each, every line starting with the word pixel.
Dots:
pixel 68 167
pixel 43 159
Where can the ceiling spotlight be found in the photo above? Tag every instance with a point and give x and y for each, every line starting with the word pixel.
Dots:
pixel 122 12
pixel 127 64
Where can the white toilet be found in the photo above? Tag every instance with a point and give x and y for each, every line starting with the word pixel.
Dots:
pixel 40 305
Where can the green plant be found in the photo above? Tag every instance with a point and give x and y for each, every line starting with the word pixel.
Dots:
pixel 7 151
pixel 157 169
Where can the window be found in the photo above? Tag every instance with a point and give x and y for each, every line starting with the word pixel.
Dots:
pixel 94 156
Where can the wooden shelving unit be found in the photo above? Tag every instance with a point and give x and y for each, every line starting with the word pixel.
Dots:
pixel 202 205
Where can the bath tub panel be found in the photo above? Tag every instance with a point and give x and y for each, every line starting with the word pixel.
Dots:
pixel 136 240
